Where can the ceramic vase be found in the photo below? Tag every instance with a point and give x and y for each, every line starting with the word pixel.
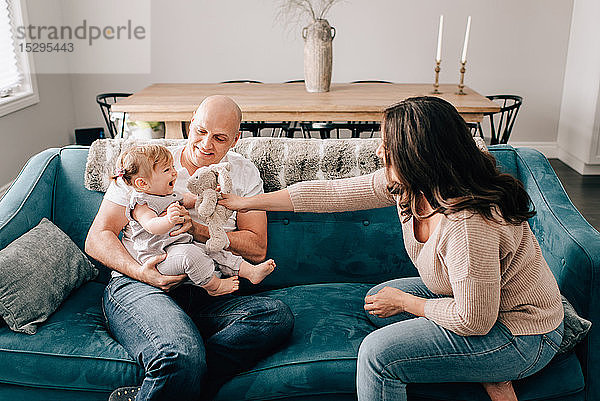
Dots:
pixel 318 55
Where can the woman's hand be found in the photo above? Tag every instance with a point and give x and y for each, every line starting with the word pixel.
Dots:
pixel 385 303
pixel 234 202
pixel 390 301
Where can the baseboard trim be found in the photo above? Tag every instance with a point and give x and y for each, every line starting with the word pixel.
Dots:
pixel 548 149
pixel 578 165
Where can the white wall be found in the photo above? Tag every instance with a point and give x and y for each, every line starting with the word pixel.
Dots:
pixel 579 128
pixel 46 124
pixel 517 46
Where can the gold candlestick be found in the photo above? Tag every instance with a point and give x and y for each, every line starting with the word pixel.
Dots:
pixel 461 85
pixel 436 85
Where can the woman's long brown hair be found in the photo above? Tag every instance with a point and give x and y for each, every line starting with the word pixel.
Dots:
pixel 429 150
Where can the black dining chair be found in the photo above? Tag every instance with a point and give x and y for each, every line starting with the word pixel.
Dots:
pixel 289 128
pixel 105 101
pixel 323 128
pixel 358 127
pixel 502 122
pixel 474 129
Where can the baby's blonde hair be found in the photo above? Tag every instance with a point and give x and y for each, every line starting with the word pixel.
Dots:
pixel 140 161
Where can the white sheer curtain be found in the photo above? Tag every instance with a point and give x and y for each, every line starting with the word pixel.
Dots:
pixel 10 72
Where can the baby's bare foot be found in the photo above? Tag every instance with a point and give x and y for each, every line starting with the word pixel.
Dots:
pixel 257 273
pixel 501 391
pixel 222 286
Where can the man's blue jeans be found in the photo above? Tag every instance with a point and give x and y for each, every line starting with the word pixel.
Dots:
pixel 406 349
pixel 189 342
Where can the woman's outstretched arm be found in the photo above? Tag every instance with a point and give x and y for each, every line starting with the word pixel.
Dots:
pixel 272 201
pixel 321 196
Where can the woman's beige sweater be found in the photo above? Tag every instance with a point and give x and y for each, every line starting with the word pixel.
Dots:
pixel 485 271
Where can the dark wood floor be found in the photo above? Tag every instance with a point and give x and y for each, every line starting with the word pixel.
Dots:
pixel 584 191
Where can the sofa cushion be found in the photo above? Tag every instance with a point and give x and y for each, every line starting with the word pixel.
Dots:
pixel 69 191
pixel 319 360
pixel 320 357
pixel 72 350
pixel 576 328
pixel 358 247
pixel 37 271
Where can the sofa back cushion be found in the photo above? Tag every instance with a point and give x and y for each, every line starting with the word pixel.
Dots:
pixel 362 246
pixel 561 245
pixel 565 255
pixel 74 207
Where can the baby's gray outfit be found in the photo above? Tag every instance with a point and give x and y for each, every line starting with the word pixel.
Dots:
pixel 184 255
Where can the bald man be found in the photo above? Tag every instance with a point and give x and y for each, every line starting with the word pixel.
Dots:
pixel 184 338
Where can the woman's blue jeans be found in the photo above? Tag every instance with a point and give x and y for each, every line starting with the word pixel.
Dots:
pixel 188 342
pixel 406 349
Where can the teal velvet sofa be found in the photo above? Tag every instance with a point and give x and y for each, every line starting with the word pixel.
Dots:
pixel 325 265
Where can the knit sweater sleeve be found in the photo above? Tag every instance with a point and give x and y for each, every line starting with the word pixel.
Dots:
pixel 355 193
pixel 469 250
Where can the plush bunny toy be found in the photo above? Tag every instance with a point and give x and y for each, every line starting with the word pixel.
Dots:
pixel 204 183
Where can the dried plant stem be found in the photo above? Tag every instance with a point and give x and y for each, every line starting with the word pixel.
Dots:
pixel 314 9
pixel 329 4
pixel 308 6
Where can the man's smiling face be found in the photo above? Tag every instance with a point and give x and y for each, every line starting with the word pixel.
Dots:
pixel 213 131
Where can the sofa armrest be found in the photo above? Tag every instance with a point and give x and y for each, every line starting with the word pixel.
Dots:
pixel 571 246
pixel 30 196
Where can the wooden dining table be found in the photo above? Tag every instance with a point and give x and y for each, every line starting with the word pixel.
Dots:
pixel 176 103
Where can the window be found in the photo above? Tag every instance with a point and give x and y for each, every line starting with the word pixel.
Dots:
pixel 17 85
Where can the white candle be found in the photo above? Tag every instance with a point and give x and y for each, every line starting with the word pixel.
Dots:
pixel 464 52
pixel 438 56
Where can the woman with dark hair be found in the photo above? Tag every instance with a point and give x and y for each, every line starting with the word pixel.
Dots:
pixel 485 307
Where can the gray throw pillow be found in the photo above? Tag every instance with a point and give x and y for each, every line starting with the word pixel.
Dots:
pixel 37 272
pixel 576 328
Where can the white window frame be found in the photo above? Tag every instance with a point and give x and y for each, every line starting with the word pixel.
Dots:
pixel 27 94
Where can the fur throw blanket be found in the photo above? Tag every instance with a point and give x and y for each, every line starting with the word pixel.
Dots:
pixel 281 161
